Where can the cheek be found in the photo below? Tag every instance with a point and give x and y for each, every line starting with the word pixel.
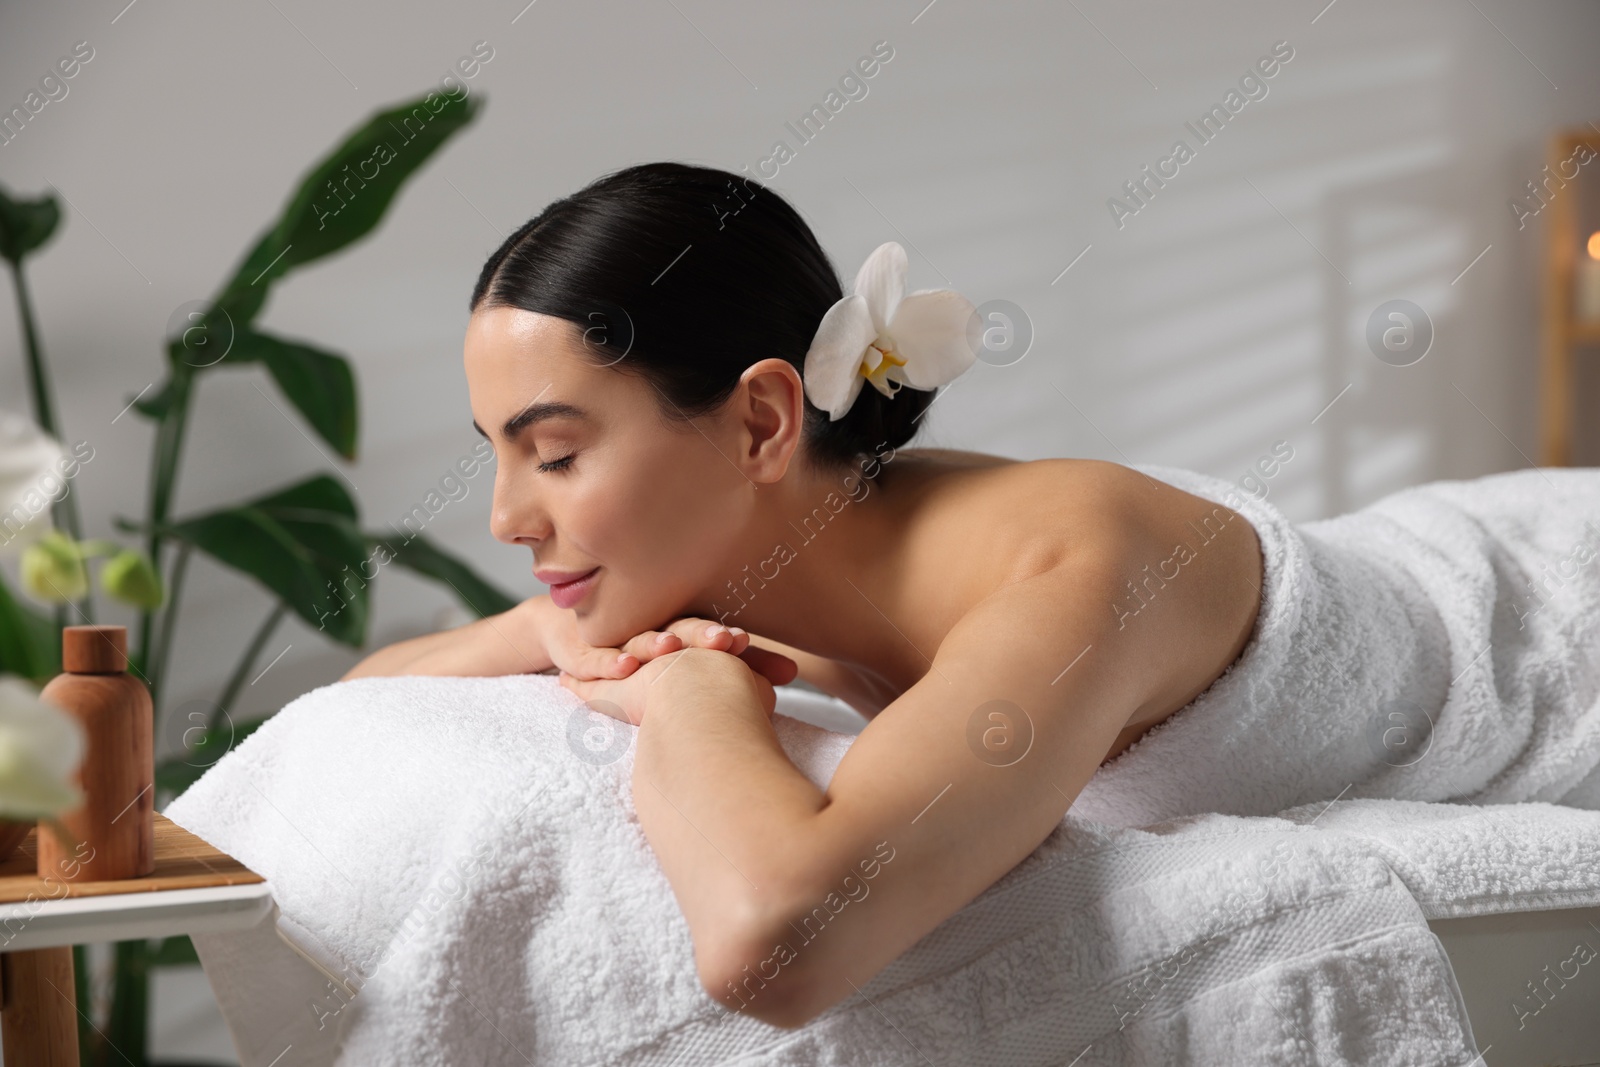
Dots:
pixel 650 510
pixel 662 527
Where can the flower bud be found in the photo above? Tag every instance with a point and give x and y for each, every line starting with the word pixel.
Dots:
pixel 130 578
pixel 53 570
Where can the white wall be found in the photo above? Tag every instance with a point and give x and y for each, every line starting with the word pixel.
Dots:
pixel 1221 318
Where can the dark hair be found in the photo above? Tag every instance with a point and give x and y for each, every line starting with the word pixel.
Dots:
pixel 692 274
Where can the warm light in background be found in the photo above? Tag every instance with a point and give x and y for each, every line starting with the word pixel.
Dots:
pixel 1586 299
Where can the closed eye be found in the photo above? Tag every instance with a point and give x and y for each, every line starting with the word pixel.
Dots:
pixel 556 465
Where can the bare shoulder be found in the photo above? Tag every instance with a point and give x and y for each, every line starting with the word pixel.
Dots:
pixel 1174 577
pixel 1170 580
pixel 1045 514
pixel 1186 580
pixel 1120 516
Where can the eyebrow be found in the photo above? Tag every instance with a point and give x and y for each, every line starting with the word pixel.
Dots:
pixel 535 412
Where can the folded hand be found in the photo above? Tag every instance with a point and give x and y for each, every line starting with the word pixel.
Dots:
pixel 590 664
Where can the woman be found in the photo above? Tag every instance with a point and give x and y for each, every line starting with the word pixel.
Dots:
pixel 675 387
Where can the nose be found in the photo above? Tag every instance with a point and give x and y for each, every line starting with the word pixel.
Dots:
pixel 516 517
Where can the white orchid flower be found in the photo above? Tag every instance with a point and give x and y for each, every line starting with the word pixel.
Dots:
pixel 27 456
pixel 884 335
pixel 40 749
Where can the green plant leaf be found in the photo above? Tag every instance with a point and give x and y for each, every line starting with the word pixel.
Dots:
pixel 302 543
pixel 154 405
pixel 320 384
pixel 346 194
pixel 30 644
pixel 423 556
pixel 26 224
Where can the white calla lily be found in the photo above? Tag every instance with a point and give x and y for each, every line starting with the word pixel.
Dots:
pixel 40 749
pixel 884 335
pixel 27 456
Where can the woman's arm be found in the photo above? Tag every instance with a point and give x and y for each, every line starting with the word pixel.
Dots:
pixel 511 642
pixel 536 636
pixel 832 677
pixel 796 896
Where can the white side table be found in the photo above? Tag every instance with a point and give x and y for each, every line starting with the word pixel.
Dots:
pixel 194 889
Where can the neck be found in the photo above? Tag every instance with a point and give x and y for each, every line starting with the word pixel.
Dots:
pixel 823 568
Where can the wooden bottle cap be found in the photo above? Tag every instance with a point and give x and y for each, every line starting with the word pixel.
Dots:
pixel 94 649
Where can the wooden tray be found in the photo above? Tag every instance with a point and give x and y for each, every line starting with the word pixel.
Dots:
pixel 183 861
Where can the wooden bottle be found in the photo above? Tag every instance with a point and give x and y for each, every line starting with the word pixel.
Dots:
pixel 115 825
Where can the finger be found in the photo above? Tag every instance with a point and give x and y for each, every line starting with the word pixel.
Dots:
pixel 775 667
pixel 615 663
pixel 652 643
pixel 591 691
pixel 704 633
pixel 727 638
pixel 692 631
pixel 605 663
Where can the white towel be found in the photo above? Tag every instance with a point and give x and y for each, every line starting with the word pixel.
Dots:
pixel 460 851
pixel 464 853
pixel 1440 644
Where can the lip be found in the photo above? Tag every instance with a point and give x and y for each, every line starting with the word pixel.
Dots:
pixel 565 594
pixel 551 576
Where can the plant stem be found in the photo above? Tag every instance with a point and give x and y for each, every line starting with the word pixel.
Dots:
pixel 235 683
pixel 163 480
pixel 88 1037
pixel 66 509
pixel 127 1028
pixel 64 512
pixel 156 670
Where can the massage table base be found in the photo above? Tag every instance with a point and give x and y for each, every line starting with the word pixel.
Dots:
pixel 1530 999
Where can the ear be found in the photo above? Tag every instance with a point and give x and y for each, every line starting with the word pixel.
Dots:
pixel 770 408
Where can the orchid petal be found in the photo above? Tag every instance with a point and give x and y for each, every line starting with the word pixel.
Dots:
pixel 929 330
pixel 833 362
pixel 28 459
pixel 838 412
pixel 40 748
pixel 882 280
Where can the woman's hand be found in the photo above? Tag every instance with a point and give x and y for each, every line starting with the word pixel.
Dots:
pixel 628 698
pixel 574 657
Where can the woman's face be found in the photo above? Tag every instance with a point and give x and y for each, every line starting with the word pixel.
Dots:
pixel 656 507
